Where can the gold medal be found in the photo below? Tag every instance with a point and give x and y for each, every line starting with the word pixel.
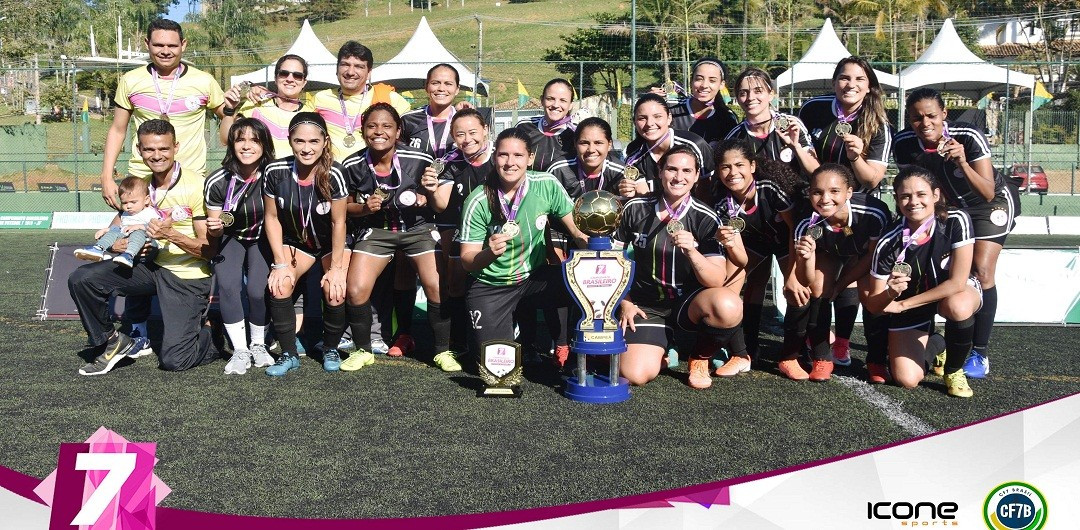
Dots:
pixel 941 145
pixel 843 128
pixel 902 268
pixel 439 166
pixel 510 229
pixel 349 140
pixel 164 117
pixel 631 173
pixel 674 226
pixel 738 224
pixel 227 219
pixel 848 231
pixel 815 232
pixel 669 88
pixel 381 194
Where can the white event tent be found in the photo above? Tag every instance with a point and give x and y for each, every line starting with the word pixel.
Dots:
pixel 408 69
pixel 322 65
pixel 814 70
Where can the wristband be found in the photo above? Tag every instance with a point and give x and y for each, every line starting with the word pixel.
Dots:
pixel 229 111
pixel 279 266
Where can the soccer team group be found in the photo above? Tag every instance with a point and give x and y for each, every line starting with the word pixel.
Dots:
pixel 319 192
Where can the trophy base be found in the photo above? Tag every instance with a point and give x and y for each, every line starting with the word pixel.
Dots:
pixel 597 389
pixel 500 392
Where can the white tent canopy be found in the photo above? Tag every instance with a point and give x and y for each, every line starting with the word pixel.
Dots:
pixel 814 70
pixel 949 66
pixel 408 69
pixel 322 65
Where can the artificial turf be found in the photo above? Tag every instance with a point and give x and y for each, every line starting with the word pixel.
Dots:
pixel 401 438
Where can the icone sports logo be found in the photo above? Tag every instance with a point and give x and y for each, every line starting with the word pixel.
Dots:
pixel 922 513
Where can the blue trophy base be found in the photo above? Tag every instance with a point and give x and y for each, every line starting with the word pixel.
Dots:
pixel 597 389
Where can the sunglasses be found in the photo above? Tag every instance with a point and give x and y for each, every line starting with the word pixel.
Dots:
pixel 299 76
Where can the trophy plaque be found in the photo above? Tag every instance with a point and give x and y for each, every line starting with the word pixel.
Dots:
pixel 500 369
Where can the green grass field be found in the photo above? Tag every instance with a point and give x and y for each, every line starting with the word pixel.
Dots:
pixel 401 438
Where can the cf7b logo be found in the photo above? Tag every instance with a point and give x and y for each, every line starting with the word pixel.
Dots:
pixel 906 510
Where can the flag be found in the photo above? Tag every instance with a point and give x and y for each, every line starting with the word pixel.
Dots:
pixel 725 94
pixel 1040 96
pixel 618 91
pixel 985 101
pixel 523 95
pixel 86 110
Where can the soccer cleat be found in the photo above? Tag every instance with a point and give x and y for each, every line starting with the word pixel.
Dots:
pixel 559 357
pixel 125 259
pixel 331 360
pixel 239 363
pixel 876 373
pixel 447 362
pixel 822 370
pixel 404 344
pixel 956 385
pixel 142 346
pixel 938 366
pixel 734 366
pixel 792 370
pixel 118 347
pixel 379 347
pixel 90 253
pixel 977 366
pixel 841 352
pixel 672 358
pixel 699 374
pixel 357 360
pixel 284 365
pixel 260 356
pixel 346 344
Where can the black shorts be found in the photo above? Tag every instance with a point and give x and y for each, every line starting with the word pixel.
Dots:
pixel 993 221
pixel 491 307
pixel 383 243
pixel 922 317
pixel 317 253
pixel 658 328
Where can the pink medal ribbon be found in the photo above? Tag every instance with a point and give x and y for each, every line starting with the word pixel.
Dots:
pixel 166 106
pixel 674 215
pixel 734 211
pixel 350 121
pixel 642 152
pixel 154 201
pixel 439 148
pixel 561 122
pixel 910 239
pixel 230 204
pixel 582 177
pixel 304 222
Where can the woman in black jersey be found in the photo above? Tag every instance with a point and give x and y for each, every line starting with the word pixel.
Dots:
pixel 304 202
pixel 850 128
pixel 760 193
pixel 652 121
pixel 552 133
pixel 467 165
pixel 428 128
pixel 922 267
pixel 234 213
pixel 833 248
pixel 764 129
pixel 703 112
pixel 392 214
pixel 679 276
pixel 958 156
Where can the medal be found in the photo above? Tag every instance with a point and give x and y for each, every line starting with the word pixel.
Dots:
pixel 673 222
pixel 244 88
pixel 231 200
pixel 843 125
pixel 350 122
pixel 631 173
pixel 843 128
pixel 349 140
pixel 439 166
pixel 381 194
pixel 674 226
pixel 944 139
pixel 164 117
pixel 439 148
pixel 815 232
pixel 227 219
pixel 848 231
pixel 782 122
pixel 902 268
pixel 510 229
pixel 738 224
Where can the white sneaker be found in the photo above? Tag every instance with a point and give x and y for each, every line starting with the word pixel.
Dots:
pixel 261 357
pixel 239 363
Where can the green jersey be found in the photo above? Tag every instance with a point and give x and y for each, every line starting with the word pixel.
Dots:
pixel 544 195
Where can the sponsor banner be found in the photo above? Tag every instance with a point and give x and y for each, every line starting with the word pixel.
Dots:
pixel 81 220
pixel 25 220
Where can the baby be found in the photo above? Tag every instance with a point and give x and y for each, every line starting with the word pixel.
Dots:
pixel 129 223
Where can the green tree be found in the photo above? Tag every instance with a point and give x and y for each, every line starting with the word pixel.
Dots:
pixel 328 10
pixel 229 29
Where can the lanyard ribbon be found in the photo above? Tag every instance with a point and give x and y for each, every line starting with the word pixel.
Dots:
pixel 910 239
pixel 732 210
pixel 229 202
pixel 561 122
pixel 599 175
pixel 845 118
pixel 642 152
pixel 154 201
pixel 350 121
pixel 511 212
pixel 673 214
pixel 439 148
pixel 397 168
pixel 167 105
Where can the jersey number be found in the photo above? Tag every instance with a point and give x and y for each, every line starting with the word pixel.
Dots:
pixel 414 143
pixel 475 316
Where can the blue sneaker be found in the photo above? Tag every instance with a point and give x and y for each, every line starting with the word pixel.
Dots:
pixel 672 358
pixel 90 253
pixel 720 358
pixel 977 366
pixel 142 346
pixel 125 259
pixel 331 360
pixel 284 365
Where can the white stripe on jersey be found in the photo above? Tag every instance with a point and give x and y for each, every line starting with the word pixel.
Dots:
pixel 615 166
pixel 561 163
pixel 887 150
pixel 966 230
pixel 763 184
pixel 481 198
pixel 979 139
pixel 416 155
pixel 210 181
pixel 876 212
pixel 335 174
pixel 880 246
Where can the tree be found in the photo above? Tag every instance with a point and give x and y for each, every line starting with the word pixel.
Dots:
pixel 611 47
pixel 329 10
pixel 229 27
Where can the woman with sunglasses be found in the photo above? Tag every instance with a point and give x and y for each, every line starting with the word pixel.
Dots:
pixel 274 109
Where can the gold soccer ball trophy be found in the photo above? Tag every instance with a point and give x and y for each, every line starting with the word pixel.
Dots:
pixel 597 213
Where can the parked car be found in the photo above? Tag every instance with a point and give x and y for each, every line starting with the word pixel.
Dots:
pixel 1033 182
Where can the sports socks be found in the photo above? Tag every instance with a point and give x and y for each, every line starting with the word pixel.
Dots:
pixel 984 320
pixel 958 337
pixel 281 311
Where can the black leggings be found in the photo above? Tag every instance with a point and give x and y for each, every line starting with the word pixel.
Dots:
pixel 240 260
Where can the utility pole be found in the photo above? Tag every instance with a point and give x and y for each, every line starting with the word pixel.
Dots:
pixel 37 91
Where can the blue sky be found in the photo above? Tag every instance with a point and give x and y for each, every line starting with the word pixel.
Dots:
pixel 179 11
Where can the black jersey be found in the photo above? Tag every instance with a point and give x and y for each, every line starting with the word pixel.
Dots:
pixel 867 218
pixel 577 183
pixel 416 134
pixel 403 180
pixel 819 116
pixel 711 127
pixel 550 147
pixel 638 153
pixel 464 176
pixel 929 260
pixel 766 232
pixel 304 214
pixel 909 150
pixel 247 199
pixel 771 146
pixel 663 273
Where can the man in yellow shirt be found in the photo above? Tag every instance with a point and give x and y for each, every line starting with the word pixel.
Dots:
pixel 178 275
pixel 165 89
pixel 341 107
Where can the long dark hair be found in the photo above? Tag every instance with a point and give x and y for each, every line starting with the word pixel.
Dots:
pixel 941 210
pixel 290 57
pixel 873 105
pixel 491 184
pixel 321 169
pixel 774 171
pixel 231 162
